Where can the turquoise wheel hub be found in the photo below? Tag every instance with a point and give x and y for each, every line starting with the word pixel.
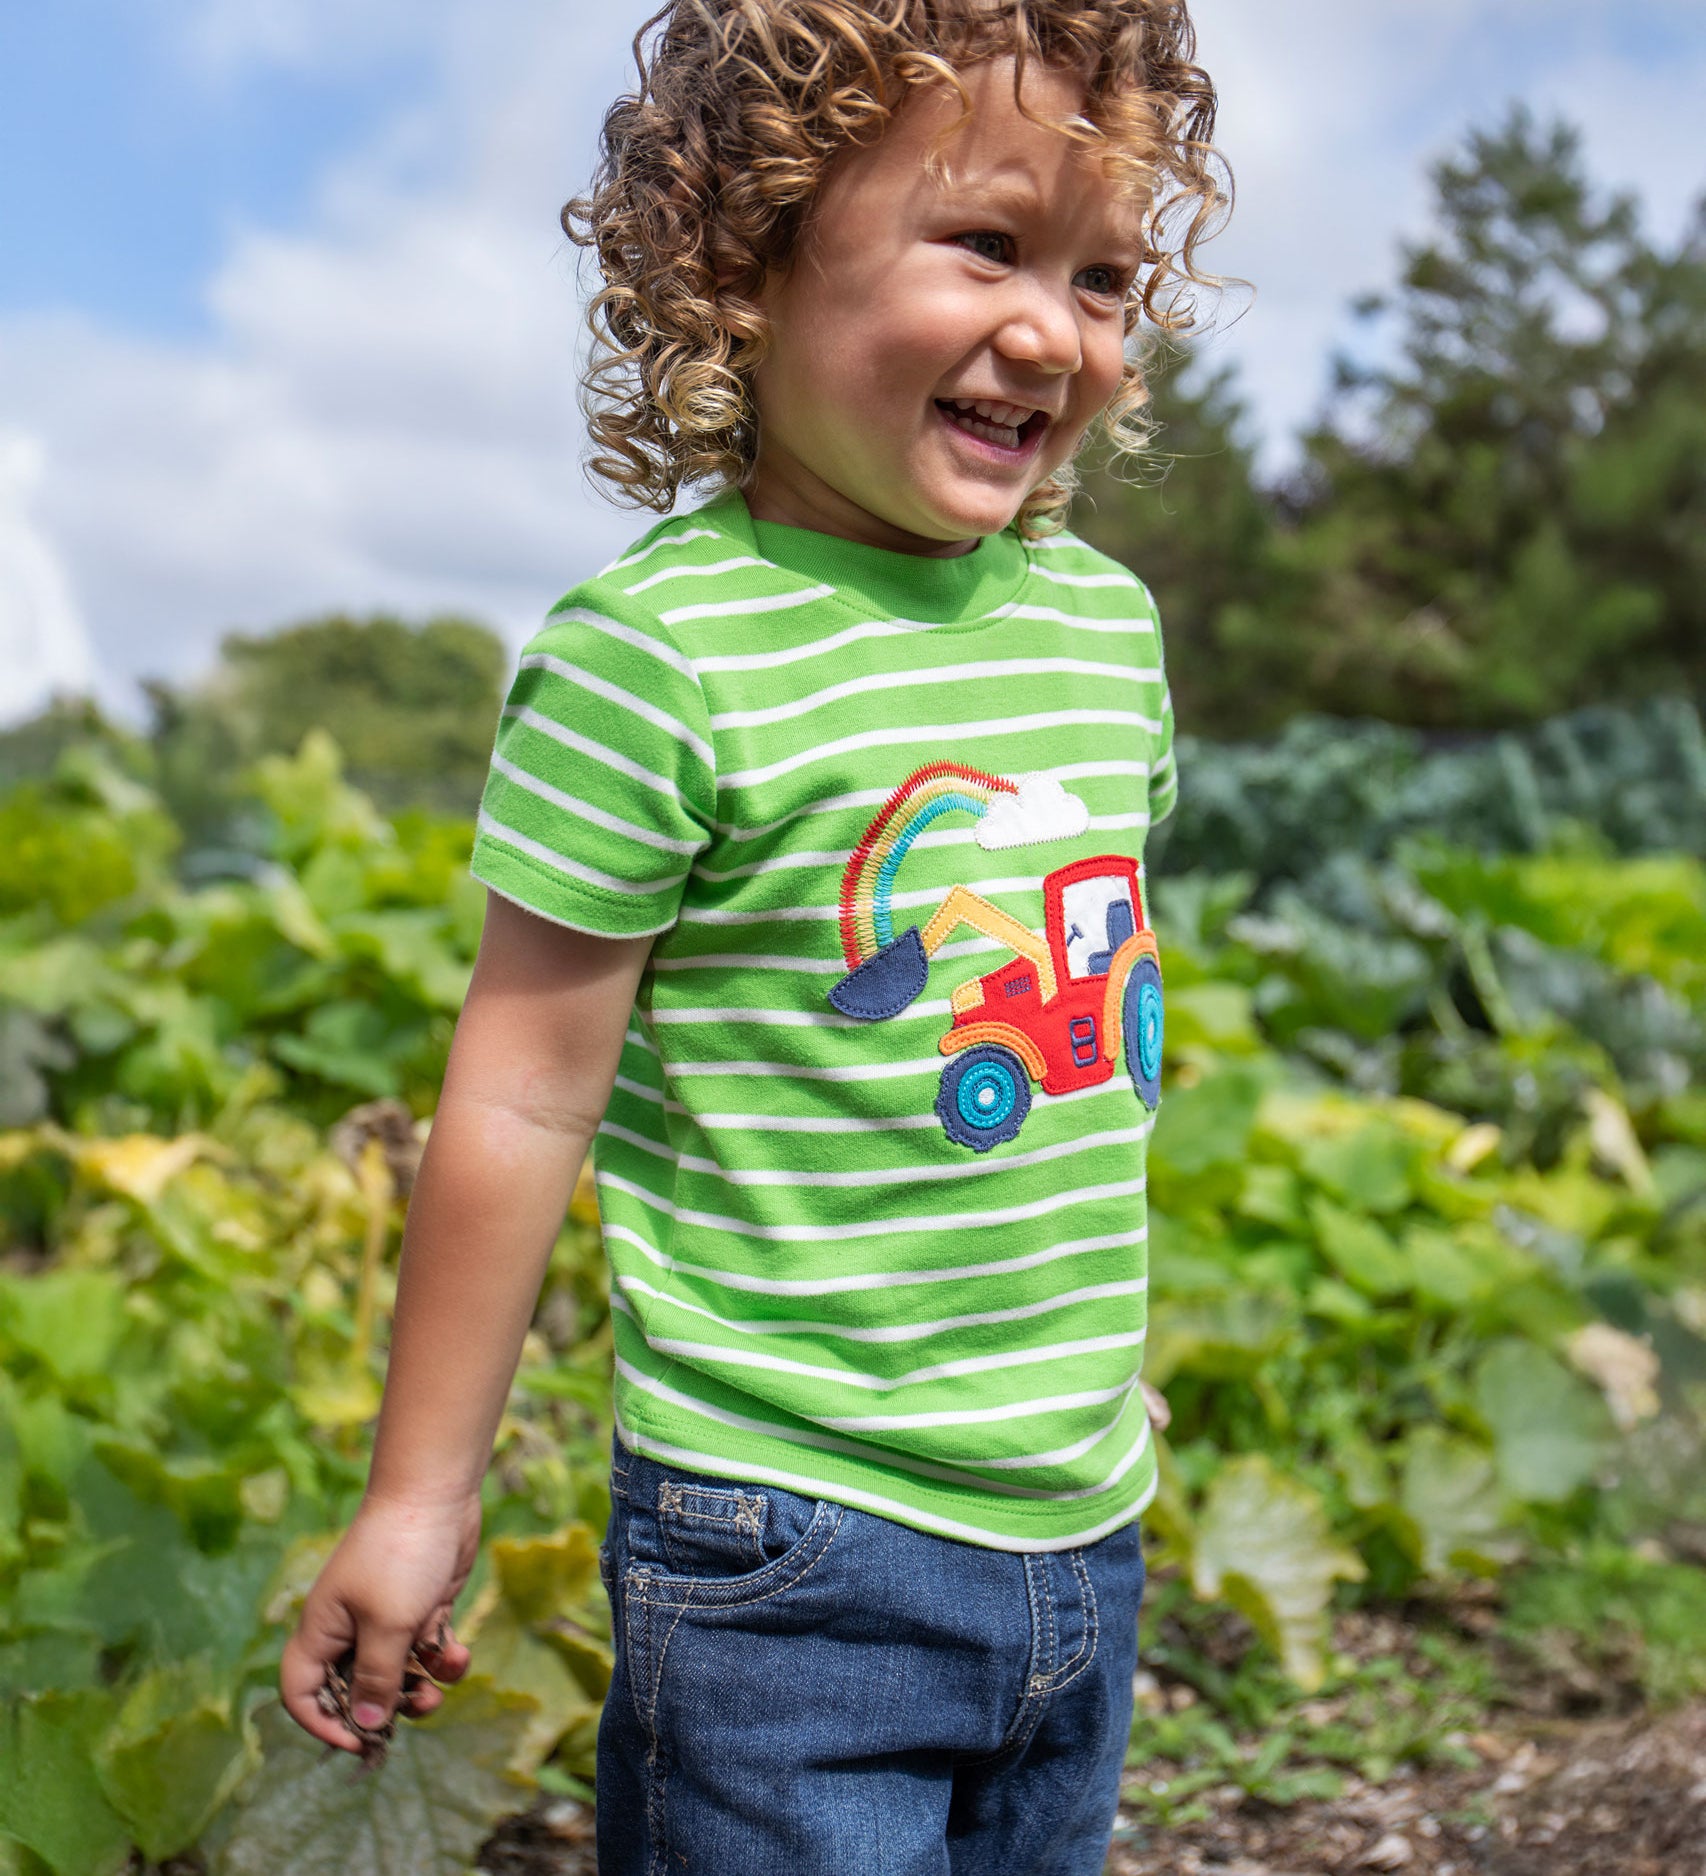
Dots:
pixel 1149 1029
pixel 1142 1023
pixel 984 1097
pixel 987 1095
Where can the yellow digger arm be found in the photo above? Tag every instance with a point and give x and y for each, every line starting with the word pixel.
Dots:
pixel 965 907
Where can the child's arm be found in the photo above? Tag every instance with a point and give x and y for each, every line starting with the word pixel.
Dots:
pixel 530 1071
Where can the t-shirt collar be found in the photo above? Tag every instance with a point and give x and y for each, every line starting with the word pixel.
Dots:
pixel 931 590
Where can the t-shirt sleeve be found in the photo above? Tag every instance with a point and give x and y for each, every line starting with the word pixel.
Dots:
pixel 1163 767
pixel 602 786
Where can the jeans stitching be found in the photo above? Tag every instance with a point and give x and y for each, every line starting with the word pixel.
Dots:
pixel 659 1771
pixel 1029 1709
pixel 1087 1648
pixel 672 1502
pixel 657 1781
pixel 807 1555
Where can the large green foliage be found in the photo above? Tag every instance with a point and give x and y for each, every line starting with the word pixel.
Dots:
pixel 1429 1280
pixel 1633 778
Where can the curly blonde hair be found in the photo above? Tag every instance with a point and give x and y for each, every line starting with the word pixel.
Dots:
pixel 708 171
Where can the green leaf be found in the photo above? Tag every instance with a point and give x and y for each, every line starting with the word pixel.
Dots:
pixel 1368 1170
pixel 16 1860
pixel 69 1320
pixel 426 1812
pixel 174 1757
pixel 346 1043
pixel 409 948
pixel 50 1798
pixel 1362 1253
pixel 1263 1542
pixel 1443 1272
pixel 1227 1337
pixel 1212 1015
pixel 61 1657
pixel 1273 1195
pixel 203 1495
pixel 1208 1125
pixel 1453 1510
pixel 1550 1430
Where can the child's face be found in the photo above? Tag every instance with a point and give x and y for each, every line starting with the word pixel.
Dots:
pixel 914 297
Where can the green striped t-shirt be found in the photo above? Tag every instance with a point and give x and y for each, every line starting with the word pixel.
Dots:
pixel 872 1175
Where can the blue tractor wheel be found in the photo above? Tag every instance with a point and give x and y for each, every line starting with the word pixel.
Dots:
pixel 984 1097
pixel 1140 1030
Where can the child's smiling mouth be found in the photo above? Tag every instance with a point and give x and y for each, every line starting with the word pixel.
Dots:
pixel 1014 430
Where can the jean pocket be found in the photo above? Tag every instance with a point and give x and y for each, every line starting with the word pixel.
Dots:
pixel 712 1530
pixel 721 1553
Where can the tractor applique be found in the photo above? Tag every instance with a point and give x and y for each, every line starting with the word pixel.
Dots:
pixel 1056 1014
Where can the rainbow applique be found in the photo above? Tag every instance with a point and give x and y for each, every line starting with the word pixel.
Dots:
pixel 1069 999
pixel 867 884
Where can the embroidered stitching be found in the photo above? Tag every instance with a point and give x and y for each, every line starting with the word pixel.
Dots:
pixel 1070 997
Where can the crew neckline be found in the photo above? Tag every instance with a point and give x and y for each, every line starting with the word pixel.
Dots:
pixel 921 589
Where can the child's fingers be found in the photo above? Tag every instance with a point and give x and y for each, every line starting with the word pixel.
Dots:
pixel 376 1684
pixel 442 1655
pixel 301 1675
pixel 419 1701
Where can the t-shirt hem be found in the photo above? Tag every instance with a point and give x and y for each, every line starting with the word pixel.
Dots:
pixel 675 1438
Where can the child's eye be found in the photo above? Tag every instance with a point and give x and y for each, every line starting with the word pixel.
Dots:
pixel 1108 281
pixel 987 242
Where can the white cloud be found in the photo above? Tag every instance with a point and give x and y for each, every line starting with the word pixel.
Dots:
pixel 1042 810
pixel 43 647
pixel 383 413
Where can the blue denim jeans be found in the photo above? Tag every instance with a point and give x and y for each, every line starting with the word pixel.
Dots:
pixel 804 1689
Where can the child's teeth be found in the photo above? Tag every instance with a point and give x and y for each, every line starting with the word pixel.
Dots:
pixel 999 423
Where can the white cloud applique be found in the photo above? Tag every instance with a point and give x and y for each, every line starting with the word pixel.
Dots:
pixel 1041 810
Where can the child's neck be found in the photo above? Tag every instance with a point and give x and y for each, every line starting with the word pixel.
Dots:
pixel 794 496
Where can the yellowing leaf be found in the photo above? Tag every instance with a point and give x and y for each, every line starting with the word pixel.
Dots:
pixel 139 1165
pixel 1473 1145
pixel 518 1662
pixel 584 1205
pixel 544 1577
pixel 1263 1542
pixel 1624 1368
pixel 344 1397
pixel 1612 1135
pixel 1453 1508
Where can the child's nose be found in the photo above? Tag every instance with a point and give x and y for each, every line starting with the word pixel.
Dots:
pixel 1041 330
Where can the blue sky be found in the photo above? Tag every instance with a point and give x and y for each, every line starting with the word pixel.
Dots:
pixel 286 322
pixel 125 163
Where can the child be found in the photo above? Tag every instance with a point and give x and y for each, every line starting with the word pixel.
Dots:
pixel 813 832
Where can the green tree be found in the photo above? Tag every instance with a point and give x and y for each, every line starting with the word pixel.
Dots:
pixel 413 707
pixel 1193 522
pixel 1510 518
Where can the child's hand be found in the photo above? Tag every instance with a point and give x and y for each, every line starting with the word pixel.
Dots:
pixel 388 1586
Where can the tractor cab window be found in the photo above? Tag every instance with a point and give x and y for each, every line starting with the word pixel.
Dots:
pixel 1099 919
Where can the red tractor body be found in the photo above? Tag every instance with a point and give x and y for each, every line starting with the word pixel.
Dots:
pixel 1095 929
